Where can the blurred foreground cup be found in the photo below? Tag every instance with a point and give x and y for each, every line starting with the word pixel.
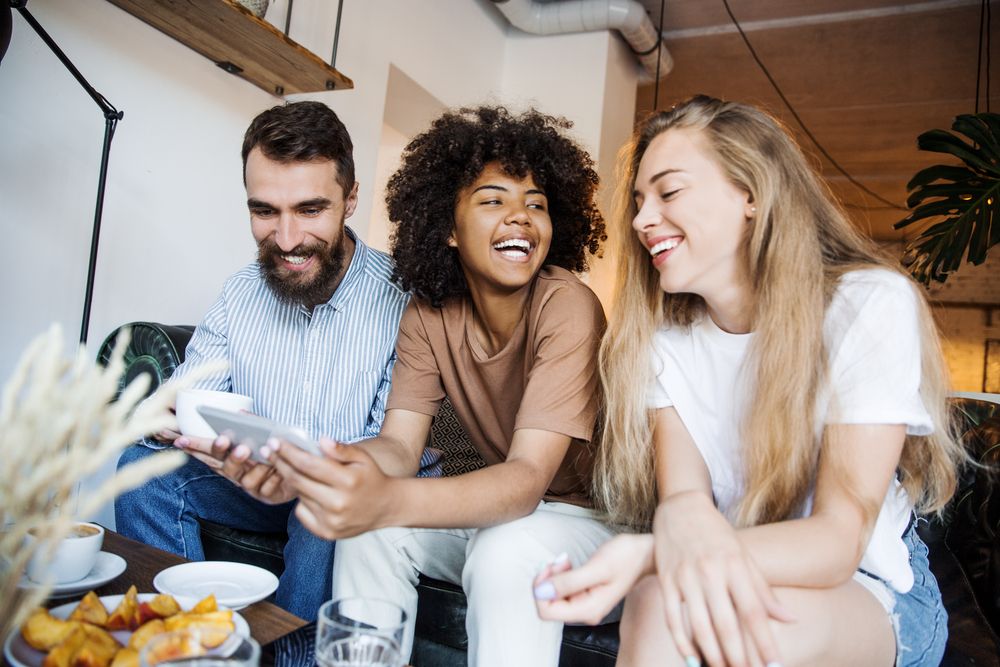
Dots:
pixel 360 632
pixel 200 647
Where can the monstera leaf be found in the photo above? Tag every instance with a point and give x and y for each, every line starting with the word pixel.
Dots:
pixel 968 197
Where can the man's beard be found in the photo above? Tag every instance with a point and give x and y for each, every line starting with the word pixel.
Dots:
pixel 293 288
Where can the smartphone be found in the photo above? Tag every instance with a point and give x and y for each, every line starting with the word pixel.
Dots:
pixel 243 428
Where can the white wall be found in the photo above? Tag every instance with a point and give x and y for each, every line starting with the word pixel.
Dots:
pixel 175 219
pixel 175 223
pixel 591 79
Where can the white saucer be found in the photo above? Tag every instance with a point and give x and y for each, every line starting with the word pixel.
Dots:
pixel 234 585
pixel 20 654
pixel 107 567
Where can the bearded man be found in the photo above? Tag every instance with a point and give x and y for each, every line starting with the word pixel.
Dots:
pixel 309 331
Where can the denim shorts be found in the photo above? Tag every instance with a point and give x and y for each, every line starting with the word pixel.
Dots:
pixel 918 616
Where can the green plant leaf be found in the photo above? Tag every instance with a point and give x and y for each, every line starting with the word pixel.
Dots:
pixel 941 172
pixel 976 129
pixel 968 197
pixel 939 141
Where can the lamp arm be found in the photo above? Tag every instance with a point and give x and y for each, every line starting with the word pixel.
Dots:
pixel 111 118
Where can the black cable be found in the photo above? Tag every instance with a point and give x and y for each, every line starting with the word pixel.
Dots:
pixel 987 56
pixel 979 53
pixel 659 48
pixel 799 120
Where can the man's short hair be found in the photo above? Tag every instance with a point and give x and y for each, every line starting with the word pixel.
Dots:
pixel 302 132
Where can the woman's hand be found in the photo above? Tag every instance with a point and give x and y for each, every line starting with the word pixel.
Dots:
pixel 588 593
pixel 341 494
pixel 704 571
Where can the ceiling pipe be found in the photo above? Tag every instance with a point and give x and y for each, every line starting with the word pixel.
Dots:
pixel 626 16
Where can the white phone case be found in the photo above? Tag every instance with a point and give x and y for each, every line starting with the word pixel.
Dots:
pixel 254 431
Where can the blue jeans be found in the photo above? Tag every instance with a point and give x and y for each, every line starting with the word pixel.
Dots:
pixel 919 617
pixel 164 513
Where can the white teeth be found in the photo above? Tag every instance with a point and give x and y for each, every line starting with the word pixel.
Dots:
pixel 292 259
pixel 516 247
pixel 664 246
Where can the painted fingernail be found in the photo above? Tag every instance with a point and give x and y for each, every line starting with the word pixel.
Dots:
pixel 545 591
pixel 692 661
pixel 181 442
pixel 241 452
pixel 274 444
pixel 561 558
pixel 265 452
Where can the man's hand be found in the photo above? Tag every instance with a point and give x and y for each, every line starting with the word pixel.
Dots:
pixel 342 494
pixel 169 434
pixel 259 480
pixel 202 449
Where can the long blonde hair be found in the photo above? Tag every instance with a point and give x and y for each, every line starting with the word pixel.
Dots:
pixel 794 251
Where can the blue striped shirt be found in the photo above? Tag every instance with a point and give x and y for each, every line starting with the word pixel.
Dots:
pixel 327 371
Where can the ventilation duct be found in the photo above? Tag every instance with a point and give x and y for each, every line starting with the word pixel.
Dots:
pixel 626 16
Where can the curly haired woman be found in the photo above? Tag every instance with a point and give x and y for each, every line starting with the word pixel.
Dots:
pixel 775 402
pixel 494 212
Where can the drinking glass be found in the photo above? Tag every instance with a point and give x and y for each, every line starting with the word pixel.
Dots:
pixel 360 632
pixel 200 647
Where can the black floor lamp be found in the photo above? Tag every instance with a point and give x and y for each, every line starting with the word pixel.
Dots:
pixel 111 118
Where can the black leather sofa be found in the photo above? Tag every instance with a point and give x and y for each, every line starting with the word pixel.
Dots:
pixel 964 545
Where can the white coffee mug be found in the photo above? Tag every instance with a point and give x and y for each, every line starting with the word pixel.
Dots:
pixel 188 400
pixel 72 559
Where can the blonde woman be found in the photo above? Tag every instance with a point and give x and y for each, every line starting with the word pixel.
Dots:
pixel 775 413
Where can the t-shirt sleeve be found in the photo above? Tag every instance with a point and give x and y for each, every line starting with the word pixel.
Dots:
pixel 561 386
pixel 416 378
pixel 872 330
pixel 657 396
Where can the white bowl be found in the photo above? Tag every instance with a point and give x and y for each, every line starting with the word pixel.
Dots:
pixel 188 400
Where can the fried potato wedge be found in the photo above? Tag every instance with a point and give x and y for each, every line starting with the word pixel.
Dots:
pixel 178 646
pixel 90 610
pixel 99 649
pixel 161 606
pixel 127 657
pixel 220 620
pixel 146 632
pixel 62 655
pixel 43 631
pixel 206 606
pixel 126 614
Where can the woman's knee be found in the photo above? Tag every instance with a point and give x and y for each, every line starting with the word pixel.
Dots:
pixel 643 611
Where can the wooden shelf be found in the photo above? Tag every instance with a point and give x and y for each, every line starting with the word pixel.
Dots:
pixel 233 37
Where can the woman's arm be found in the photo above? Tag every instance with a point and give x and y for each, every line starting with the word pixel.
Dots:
pixel 714 593
pixel 853 477
pixel 348 493
pixel 586 594
pixel 723 576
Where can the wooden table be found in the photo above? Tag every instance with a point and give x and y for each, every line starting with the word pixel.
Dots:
pixel 267 621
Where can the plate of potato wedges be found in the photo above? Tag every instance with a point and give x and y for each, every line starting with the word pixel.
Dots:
pixel 109 631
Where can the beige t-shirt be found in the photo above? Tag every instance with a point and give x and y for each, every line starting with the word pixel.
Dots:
pixel 545 378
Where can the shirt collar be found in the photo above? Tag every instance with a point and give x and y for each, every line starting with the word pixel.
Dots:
pixel 356 269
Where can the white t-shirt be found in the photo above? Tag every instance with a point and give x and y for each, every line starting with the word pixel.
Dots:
pixel 871 332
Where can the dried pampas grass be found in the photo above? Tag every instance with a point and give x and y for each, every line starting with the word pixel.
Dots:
pixel 59 423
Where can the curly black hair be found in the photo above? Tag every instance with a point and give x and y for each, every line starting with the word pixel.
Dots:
pixel 440 163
